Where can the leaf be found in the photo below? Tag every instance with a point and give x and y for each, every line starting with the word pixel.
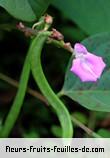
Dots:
pixel 73 33
pixel 26 10
pixel 93 96
pixel 90 15
pixel 104 133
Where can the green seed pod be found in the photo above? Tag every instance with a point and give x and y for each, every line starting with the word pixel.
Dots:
pixel 54 101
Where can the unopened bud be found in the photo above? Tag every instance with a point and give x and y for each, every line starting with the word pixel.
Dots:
pixel 48 19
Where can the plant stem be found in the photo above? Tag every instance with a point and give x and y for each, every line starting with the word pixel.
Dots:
pixel 29 90
pixel 55 102
pixel 61 44
pixel 39 96
pixel 92 121
pixel 51 40
pixel 86 129
pixel 18 101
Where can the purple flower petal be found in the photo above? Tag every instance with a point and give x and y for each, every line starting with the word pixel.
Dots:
pixel 97 63
pixel 78 68
pixel 79 48
pixel 87 67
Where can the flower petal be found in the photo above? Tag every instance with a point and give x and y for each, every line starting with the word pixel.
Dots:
pixel 97 63
pixel 87 66
pixel 79 69
pixel 79 48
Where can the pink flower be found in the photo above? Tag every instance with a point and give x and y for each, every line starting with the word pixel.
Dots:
pixel 87 66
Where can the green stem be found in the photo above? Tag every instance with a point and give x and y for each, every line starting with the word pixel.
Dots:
pixel 15 83
pixel 60 44
pixel 55 102
pixel 18 101
pixel 86 129
pixel 91 121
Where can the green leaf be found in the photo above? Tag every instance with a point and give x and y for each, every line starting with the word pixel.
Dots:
pixel 90 15
pixel 104 133
pixel 73 33
pixel 93 96
pixel 26 10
